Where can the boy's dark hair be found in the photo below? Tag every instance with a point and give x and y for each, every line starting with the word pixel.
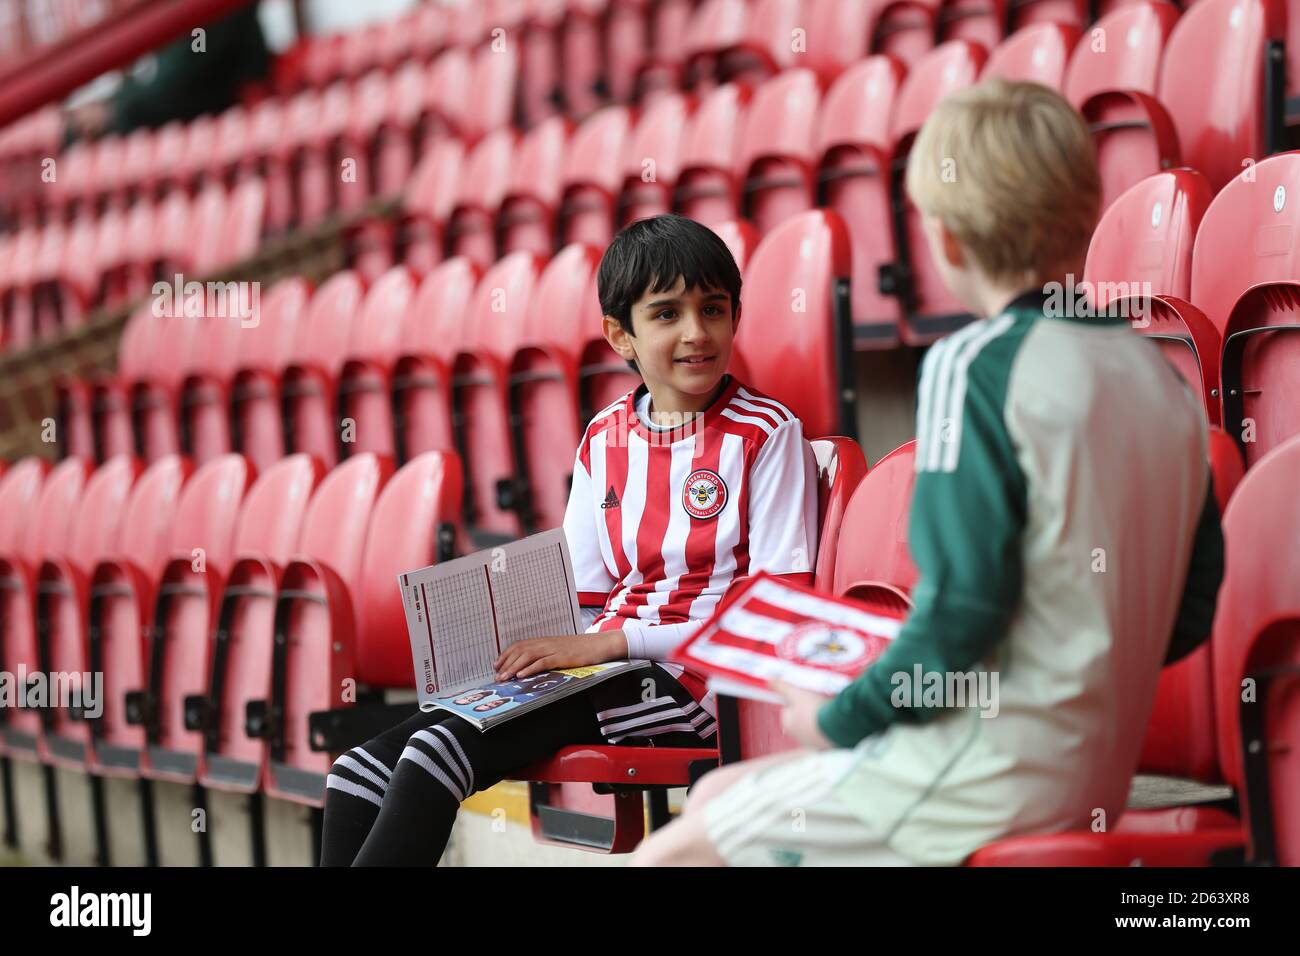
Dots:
pixel 650 255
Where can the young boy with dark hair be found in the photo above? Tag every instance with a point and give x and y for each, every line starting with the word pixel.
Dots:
pixel 1063 525
pixel 681 487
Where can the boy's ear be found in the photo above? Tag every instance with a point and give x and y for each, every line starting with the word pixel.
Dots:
pixel 942 241
pixel 953 253
pixel 618 338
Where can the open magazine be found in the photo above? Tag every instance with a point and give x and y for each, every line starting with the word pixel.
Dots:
pixel 770 629
pixel 462 614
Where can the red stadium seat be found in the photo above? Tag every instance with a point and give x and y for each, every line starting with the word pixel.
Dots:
pixel 1037 53
pixel 541 85
pixel 121 611
pixel 744 42
pixel 627 47
pixel 364 399
pixel 20 552
pixel 1140 261
pixel 62 601
pixel 593 176
pixel 201 549
pixel 1195 848
pixel 427 206
pixel 777 158
pixel 168 148
pixel 155 395
pixel 398 130
pixel 432 332
pixel 1142 29
pixel 875 557
pixel 839 35
pixel 582 54
pixel 367 110
pixel 270 523
pixel 1114 86
pixel 471 228
pixel 1244 277
pixel 194 165
pixel 529 209
pixel 905 29
pixel 267 154
pixel 797 326
pixel 310 382
pixel 491 100
pixel 930 310
pixel 1143 242
pixel 47 536
pixel 205 392
pixel 480 393
pixel 110 415
pixel 1218 54
pixel 415 523
pixel 707 188
pixel 980 21
pixel 653 159
pixel 544 387
pixel 265 349
pixel 448 91
pixel 1181 736
pixel 841 467
pixel 316 626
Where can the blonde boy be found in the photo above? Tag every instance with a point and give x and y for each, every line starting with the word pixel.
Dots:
pixel 1062 522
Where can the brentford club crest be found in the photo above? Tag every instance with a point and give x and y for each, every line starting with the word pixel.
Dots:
pixel 705 494
pixel 835 648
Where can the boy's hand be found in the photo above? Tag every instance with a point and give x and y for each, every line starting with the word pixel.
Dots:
pixel 799 716
pixel 538 654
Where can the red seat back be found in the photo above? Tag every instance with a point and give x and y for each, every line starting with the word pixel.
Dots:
pixel 593 175
pixel 980 21
pixel 949 67
pixel 1217 55
pixel 777 157
pixel 652 160
pixel 375 333
pixel 1129 59
pixel 838 35
pixel 875 553
pixel 150 514
pixel 529 209
pixel 271 516
pixel 1181 738
pixel 545 379
pixel 323 333
pixel 852 141
pixel 1037 53
pixel 1143 242
pixel 206 515
pixel 471 231
pixel 417 510
pixel 20 490
pixel 1262 583
pixel 905 29
pixel 707 189
pixel 98 524
pixel 795 337
pixel 1245 266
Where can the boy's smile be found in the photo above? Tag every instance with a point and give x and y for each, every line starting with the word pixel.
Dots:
pixel 681 344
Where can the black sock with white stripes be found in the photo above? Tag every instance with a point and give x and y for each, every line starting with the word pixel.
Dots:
pixel 354 792
pixel 415 824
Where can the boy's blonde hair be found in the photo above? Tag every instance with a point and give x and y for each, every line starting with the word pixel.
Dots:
pixel 1011 170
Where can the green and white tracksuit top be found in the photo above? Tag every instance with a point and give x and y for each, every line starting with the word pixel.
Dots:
pixel 1064 528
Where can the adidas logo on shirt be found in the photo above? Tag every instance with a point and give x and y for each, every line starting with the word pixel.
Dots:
pixel 611 499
